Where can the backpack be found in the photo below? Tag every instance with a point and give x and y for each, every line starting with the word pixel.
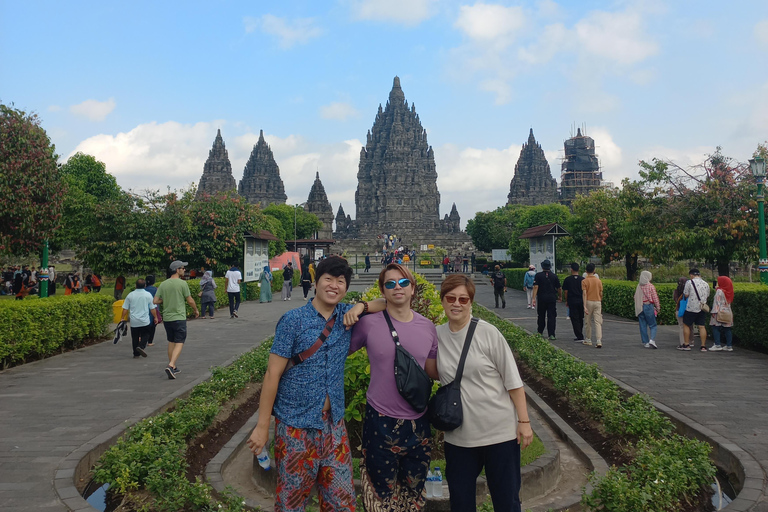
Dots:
pixel 498 280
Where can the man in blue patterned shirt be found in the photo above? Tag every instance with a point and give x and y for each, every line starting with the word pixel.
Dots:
pixel 307 399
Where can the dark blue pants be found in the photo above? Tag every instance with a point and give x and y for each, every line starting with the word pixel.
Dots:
pixel 234 302
pixel 502 471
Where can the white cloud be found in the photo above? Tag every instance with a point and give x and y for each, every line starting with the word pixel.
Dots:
pixel 761 31
pixel 500 88
pixel 609 154
pixel 552 41
pixel 54 108
pixel 490 23
pixel 407 12
pixel 93 110
pixel 339 111
pixel 287 32
pixel 616 36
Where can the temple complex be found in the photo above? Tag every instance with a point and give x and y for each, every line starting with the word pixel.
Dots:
pixel 532 183
pixel 217 171
pixel 397 183
pixel 581 169
pixel 318 203
pixel 261 181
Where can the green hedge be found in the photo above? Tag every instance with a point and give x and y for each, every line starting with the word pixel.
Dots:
pixel 42 327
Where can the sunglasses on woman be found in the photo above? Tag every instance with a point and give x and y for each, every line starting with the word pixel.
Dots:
pixel 450 299
pixel 390 285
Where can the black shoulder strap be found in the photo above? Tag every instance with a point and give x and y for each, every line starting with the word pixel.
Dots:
pixel 392 330
pixel 464 352
pixel 693 283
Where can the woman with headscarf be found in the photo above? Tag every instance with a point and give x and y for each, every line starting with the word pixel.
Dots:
pixel 722 305
pixel 647 306
pixel 266 285
pixel 207 293
pixel 678 295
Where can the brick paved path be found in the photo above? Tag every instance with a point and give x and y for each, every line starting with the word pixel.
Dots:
pixel 725 391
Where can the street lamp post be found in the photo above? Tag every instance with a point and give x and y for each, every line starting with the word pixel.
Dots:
pixel 297 206
pixel 757 166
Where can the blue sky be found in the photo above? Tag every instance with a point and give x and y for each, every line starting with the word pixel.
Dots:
pixel 143 86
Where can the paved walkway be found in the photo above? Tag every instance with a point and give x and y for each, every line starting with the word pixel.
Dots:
pixel 726 392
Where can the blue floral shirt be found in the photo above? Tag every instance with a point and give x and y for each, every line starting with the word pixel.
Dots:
pixel 303 388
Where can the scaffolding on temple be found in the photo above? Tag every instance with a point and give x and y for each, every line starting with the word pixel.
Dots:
pixel 580 169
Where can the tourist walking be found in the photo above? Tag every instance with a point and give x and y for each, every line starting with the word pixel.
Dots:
pixel 265 285
pixel 446 262
pixel 593 307
pixel 722 315
pixel 528 284
pixel 119 287
pixel 137 306
pixel 367 262
pixel 173 294
pixel 396 438
pixel 234 278
pixel 287 278
pixel 697 292
pixel 647 307
pixel 152 290
pixel 677 295
pixel 546 288
pixel 52 280
pixel 499 281
pixel 306 281
pixel 96 281
pixel 457 263
pixel 207 294
pixel 307 398
pixel 573 296
pixel 495 424
pixel 465 263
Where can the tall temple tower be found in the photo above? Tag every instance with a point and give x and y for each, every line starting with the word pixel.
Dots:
pixel 581 169
pixel 532 182
pixel 397 179
pixel 261 181
pixel 217 171
pixel 318 203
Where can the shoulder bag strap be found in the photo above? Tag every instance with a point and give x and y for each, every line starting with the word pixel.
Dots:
pixel 464 352
pixel 693 283
pixel 303 356
pixel 392 330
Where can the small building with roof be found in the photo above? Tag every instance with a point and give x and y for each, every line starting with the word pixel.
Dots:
pixel 542 243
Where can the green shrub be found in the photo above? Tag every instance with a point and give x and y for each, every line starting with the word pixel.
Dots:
pixel 41 327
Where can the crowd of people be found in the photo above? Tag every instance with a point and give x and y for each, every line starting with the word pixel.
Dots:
pixel 23 280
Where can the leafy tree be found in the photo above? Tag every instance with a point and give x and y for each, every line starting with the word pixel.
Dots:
pixel 31 191
pixel 532 216
pixel 306 223
pixel 493 230
pixel 90 176
pixel 710 210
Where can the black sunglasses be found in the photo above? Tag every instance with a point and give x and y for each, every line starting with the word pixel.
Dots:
pixel 404 282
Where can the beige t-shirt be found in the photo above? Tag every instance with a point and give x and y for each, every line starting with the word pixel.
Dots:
pixel 489 373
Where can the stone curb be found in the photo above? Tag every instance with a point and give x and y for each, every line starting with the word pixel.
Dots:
pixel 78 464
pixel 726 454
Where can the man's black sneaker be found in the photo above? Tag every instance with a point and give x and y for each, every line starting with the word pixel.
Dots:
pixel 169 372
pixel 176 370
pixel 503 306
pixel 141 352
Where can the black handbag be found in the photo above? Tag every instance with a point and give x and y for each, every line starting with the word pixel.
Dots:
pixel 445 412
pixel 412 381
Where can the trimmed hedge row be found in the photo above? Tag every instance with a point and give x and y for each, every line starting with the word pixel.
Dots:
pixel 42 327
pixel 750 300
pixel 667 469
pixel 151 454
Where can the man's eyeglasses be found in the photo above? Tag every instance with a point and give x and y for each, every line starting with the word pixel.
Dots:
pixel 390 285
pixel 450 299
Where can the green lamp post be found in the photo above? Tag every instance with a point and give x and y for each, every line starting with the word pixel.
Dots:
pixel 757 166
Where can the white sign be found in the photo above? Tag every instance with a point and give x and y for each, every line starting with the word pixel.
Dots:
pixel 255 258
pixel 500 254
pixel 318 254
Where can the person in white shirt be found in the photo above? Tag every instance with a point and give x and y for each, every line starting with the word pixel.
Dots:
pixel 234 278
pixel 697 292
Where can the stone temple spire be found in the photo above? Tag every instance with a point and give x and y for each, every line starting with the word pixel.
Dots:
pixel 261 181
pixel 217 171
pixel 532 183
pixel 318 204
pixel 397 179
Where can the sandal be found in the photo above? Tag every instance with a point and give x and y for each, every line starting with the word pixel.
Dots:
pixel 684 347
pixel 703 349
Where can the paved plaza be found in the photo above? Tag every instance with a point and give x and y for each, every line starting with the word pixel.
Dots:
pixel 50 408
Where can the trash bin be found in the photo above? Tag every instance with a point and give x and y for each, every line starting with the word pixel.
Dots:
pixel 117 311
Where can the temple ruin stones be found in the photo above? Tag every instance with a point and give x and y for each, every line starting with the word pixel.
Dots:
pixel 532 183
pixel 217 171
pixel 318 204
pixel 261 181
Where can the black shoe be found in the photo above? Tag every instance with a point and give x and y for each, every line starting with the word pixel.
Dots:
pixel 141 352
pixel 169 372
pixel 176 370
pixel 503 306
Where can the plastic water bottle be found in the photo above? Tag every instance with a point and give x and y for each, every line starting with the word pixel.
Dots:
pixel 437 486
pixel 428 484
pixel 263 459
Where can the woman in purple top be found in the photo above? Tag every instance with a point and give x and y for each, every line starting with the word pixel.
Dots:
pixel 396 438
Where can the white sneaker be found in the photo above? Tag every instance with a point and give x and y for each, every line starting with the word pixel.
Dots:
pixel 289 298
pixel 715 348
pixel 646 345
pixel 285 299
pixel 728 349
pixel 652 344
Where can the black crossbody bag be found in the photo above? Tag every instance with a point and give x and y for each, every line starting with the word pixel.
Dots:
pixel 445 411
pixel 412 381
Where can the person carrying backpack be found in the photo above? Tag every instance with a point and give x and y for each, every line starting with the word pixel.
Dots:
pixel 499 281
